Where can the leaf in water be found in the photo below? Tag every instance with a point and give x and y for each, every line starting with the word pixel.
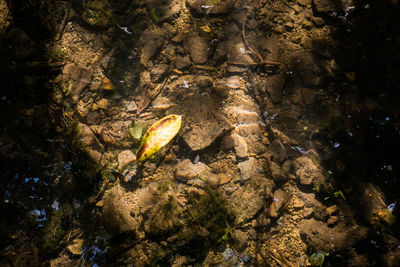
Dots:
pixel 159 134
pixel 135 130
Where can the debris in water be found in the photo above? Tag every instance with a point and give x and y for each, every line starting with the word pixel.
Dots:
pixel 125 29
pixel 158 135
pixel 317 259
pixel 391 207
pixel 228 253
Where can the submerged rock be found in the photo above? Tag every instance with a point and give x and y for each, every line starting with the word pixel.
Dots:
pixel 247 200
pixel 197 47
pixel 125 158
pixel 206 123
pixel 75 80
pixel 186 170
pixel 274 86
pixel 307 172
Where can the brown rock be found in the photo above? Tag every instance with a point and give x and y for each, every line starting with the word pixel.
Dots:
pixel 304 2
pixel 240 147
pixel 75 80
pixel 279 200
pixel 186 170
pixel 274 86
pixel 319 236
pixel 248 169
pixel 278 151
pixel 125 158
pixel 206 123
pixel 197 47
pixel 307 172
pixel 182 62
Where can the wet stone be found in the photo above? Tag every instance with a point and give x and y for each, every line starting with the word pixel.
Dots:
pixel 197 47
pixel 207 123
pixel 247 200
pixel 157 71
pixel 182 62
pixel 186 170
pixel 240 146
pixel 277 173
pixel 204 81
pixel 278 201
pixel 103 104
pixel 304 3
pixel 125 158
pixel 278 151
pixel 76 79
pixel 307 172
pixel 274 86
pixel 248 169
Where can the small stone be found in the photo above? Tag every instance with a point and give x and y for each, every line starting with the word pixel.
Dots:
pixel 103 104
pixel 131 107
pixel 332 210
pixel 307 24
pixel 279 199
pixel 248 169
pixel 108 85
pixel 296 38
pixel 182 62
pixel 319 22
pixel 307 172
pixel 77 247
pixel 298 204
pixel 277 173
pixel 332 220
pixel 125 158
pixel 197 47
pixel 240 146
pixel 212 180
pixel 278 151
pixel 304 2
pixel 204 81
pixel 274 86
pixel 288 25
pixel 186 170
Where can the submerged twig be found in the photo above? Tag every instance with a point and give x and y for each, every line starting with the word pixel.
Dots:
pixel 260 59
pixel 146 101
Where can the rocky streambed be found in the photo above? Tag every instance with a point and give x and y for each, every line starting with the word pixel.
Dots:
pixel 272 165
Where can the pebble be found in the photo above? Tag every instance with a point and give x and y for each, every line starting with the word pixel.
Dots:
pixel 103 104
pixel 297 203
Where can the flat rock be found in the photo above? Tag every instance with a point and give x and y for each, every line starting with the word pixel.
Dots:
pixel 151 40
pixel 125 158
pixel 237 54
pixel 205 122
pixel 182 62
